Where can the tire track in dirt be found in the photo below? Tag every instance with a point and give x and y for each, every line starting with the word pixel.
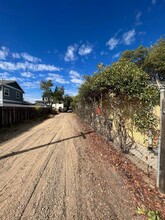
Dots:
pixel 23 146
pixel 37 181
pixel 32 181
pixel 17 172
pixel 55 199
pixel 24 137
pixel 22 162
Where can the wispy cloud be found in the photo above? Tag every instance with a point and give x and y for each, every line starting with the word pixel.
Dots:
pixel 27 74
pixel 42 67
pixel 129 37
pixel 112 43
pixel 71 92
pixel 31 84
pixel 4 53
pixel 9 66
pixel 8 76
pixel 85 49
pixel 26 57
pixel 138 17
pixel 70 53
pixel 16 55
pixel 4 75
pixel 30 58
pixel 153 2
pixel 57 78
pixel 75 77
pixel 32 97
pixel 102 53
pixel 117 55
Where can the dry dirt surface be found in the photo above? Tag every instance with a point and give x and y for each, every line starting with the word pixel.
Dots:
pixel 49 172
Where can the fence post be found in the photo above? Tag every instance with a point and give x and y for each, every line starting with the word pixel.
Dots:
pixel 161 147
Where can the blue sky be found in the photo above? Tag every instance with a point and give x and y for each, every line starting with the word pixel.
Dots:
pixel 63 40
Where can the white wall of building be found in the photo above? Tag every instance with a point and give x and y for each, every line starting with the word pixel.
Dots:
pixel 57 105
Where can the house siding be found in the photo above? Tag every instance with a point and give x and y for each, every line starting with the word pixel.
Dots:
pixel 12 95
pixel 15 85
pixel 0 94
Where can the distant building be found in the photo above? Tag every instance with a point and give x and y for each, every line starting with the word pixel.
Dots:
pixel 58 105
pixel 11 93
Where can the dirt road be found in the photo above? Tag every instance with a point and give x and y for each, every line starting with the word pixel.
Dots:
pixel 46 173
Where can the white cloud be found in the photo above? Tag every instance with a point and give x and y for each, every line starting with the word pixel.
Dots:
pixel 42 75
pixel 4 75
pixel 30 58
pixel 27 66
pixel 102 53
pixel 16 55
pixel 129 37
pixel 4 53
pixel 138 16
pixel 75 77
pixel 153 2
pixel 57 78
pixel 26 57
pixel 77 81
pixel 71 92
pixel 42 67
pixel 116 55
pixel 70 54
pixel 31 85
pixel 7 76
pixel 30 97
pixel 85 49
pixel 27 74
pixel 112 43
pixel 74 73
pixel 7 66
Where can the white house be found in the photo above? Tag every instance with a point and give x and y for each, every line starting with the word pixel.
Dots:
pixel 58 105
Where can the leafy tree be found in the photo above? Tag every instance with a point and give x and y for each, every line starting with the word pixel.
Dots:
pixel 75 101
pixel 67 101
pixel 155 61
pixel 136 56
pixel 128 83
pixel 47 92
pixel 58 94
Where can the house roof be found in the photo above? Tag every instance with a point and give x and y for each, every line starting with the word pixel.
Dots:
pixel 8 82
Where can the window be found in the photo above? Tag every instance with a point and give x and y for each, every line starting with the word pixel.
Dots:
pixel 17 95
pixel 6 92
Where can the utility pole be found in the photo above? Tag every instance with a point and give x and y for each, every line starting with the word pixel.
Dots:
pixel 161 147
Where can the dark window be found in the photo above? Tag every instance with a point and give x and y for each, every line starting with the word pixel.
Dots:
pixel 6 92
pixel 17 95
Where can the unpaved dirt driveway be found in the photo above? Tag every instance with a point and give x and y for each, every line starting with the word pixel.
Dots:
pixel 46 173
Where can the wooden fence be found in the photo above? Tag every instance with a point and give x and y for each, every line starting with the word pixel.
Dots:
pixel 15 115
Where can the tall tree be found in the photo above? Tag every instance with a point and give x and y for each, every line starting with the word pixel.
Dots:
pixel 47 92
pixel 58 94
pixel 67 101
pixel 136 56
pixel 155 61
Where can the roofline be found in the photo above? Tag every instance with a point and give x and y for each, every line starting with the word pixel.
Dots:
pixel 13 81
